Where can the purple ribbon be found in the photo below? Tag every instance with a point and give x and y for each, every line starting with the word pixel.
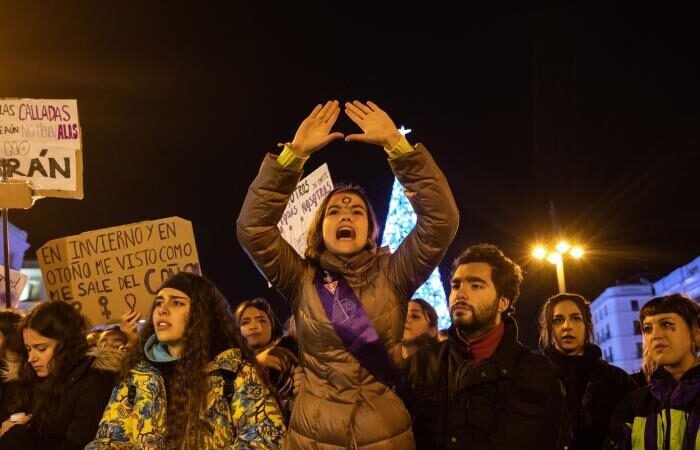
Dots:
pixel 352 324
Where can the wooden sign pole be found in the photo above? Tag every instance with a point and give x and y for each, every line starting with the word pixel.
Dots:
pixel 13 194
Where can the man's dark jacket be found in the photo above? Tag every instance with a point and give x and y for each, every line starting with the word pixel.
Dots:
pixel 510 401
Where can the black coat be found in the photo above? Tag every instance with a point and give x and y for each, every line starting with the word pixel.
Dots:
pixel 75 422
pixel 510 401
pixel 593 389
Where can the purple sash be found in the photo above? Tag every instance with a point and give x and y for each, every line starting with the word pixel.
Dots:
pixel 353 325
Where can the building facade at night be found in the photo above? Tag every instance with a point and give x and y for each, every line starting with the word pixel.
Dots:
pixel 616 313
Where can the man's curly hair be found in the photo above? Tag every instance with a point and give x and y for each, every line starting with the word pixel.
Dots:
pixel 506 274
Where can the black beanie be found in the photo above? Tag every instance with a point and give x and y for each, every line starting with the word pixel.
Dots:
pixel 181 281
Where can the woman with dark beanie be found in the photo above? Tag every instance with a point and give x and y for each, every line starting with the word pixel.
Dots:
pixel 188 384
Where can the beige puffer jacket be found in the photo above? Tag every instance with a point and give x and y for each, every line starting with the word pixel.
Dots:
pixel 341 405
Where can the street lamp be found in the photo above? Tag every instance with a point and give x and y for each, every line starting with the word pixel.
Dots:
pixel 556 257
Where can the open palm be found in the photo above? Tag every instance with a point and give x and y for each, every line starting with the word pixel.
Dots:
pixel 314 133
pixel 377 126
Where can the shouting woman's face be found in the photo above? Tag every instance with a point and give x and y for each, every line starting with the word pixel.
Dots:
pixel 346 224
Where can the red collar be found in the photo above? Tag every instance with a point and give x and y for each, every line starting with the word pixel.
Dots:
pixel 484 346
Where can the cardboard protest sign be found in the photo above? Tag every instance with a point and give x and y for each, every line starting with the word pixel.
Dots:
pixel 17 282
pixel 41 142
pixel 106 272
pixel 302 207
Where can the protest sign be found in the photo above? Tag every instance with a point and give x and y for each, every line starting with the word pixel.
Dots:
pixel 41 142
pixel 106 272
pixel 302 207
pixel 17 282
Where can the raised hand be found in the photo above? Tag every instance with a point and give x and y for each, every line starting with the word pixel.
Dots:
pixel 128 324
pixel 314 133
pixel 377 126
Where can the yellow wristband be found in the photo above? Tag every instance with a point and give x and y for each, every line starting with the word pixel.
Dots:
pixel 401 148
pixel 289 159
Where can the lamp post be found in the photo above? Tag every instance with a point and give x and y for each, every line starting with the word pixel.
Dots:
pixel 556 257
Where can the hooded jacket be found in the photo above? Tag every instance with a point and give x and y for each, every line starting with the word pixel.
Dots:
pixel 341 405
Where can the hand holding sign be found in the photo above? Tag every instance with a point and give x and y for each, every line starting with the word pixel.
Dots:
pixel 128 324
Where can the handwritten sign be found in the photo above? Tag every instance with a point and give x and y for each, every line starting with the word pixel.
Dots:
pixel 41 142
pixel 106 272
pixel 302 206
pixel 17 282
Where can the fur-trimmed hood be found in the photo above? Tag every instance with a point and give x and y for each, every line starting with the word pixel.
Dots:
pixel 107 360
pixel 9 367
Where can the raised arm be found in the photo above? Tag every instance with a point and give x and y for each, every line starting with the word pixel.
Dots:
pixel 268 196
pixel 427 191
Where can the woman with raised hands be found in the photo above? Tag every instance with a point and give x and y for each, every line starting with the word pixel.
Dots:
pixel 349 297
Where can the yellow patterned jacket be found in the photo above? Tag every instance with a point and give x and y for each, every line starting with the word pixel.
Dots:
pixel 248 417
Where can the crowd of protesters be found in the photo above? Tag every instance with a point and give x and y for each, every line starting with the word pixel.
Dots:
pixel 361 364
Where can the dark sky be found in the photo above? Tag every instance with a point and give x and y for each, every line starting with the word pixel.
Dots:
pixel 593 109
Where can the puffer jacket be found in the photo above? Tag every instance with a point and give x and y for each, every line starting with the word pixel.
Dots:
pixel 341 405
pixel 74 422
pixel 247 417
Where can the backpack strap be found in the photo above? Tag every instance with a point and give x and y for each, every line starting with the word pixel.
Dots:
pixel 131 395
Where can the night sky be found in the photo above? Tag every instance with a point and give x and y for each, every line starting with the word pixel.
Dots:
pixel 593 110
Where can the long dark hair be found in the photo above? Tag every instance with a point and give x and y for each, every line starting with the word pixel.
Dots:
pixel 314 239
pixel 57 320
pixel 210 330
pixel 547 317
pixel 263 305
pixel 9 327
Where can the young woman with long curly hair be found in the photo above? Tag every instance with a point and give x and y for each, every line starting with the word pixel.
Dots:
pixel 59 386
pixel 187 384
